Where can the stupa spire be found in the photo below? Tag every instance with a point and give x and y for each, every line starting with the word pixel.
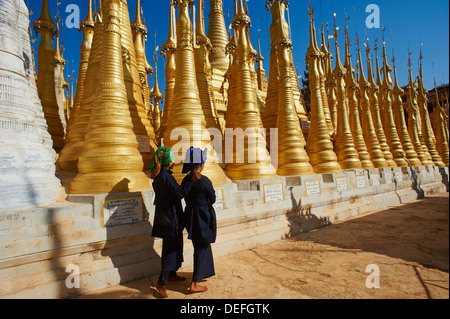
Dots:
pixel 414 120
pixel 390 128
pixel 292 157
pixel 353 90
pixel 156 96
pixel 369 133
pixel 217 33
pixel 400 121
pixel 319 146
pixel 344 145
pixel 374 96
pixel 169 50
pixel 140 33
pixel 202 51
pixel 61 85
pixel 46 77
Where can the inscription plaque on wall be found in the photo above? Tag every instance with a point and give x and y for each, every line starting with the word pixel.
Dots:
pixel 220 203
pixel 313 187
pixel 360 181
pixel 122 210
pixel 342 183
pixel 273 192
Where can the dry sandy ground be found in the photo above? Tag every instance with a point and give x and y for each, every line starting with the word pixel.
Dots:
pixel 409 244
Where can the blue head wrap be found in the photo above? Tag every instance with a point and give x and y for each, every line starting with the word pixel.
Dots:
pixel 195 157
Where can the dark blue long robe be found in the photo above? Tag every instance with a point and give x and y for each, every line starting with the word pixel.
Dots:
pixel 201 224
pixel 168 223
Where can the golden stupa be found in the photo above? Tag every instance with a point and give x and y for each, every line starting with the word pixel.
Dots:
pixel 219 58
pixel 271 108
pixel 86 92
pixel 156 96
pixel 330 112
pixel 369 133
pixel 186 118
pixel 110 161
pixel 68 160
pixel 142 127
pixel 144 68
pixel 389 126
pixel 414 121
pixel 169 50
pixel 230 78
pixel 329 83
pixel 292 157
pixel 319 146
pixel 400 121
pixel 202 50
pixel 353 90
pixel 249 158
pixel 441 136
pixel 344 145
pixel 374 96
pixel 46 77
pixel 427 130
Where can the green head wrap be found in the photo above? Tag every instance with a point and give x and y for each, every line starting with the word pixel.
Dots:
pixel 163 156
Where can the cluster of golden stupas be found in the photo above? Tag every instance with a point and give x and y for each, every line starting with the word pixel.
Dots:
pixel 115 122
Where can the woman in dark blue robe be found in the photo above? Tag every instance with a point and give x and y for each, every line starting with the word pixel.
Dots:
pixel 168 223
pixel 200 218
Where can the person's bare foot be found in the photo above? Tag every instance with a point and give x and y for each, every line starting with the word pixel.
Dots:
pixel 195 287
pixel 162 291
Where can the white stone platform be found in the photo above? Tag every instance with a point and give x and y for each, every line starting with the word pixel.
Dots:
pixel 38 244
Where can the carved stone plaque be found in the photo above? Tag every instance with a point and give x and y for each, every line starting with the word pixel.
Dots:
pixel 313 187
pixel 360 181
pixel 342 183
pixel 273 192
pixel 220 203
pixel 122 210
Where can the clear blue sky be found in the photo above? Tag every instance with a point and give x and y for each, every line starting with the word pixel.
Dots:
pixel 410 21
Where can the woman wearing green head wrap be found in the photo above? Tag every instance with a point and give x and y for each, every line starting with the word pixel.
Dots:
pixel 168 222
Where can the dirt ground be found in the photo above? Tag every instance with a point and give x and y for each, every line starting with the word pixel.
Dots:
pixel 408 244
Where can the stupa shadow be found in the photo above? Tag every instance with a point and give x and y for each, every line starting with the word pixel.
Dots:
pixel 301 219
pixel 130 246
pixel 416 232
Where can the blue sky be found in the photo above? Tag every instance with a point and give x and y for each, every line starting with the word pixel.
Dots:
pixel 412 23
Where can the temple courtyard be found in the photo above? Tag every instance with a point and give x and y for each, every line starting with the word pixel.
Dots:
pixel 401 252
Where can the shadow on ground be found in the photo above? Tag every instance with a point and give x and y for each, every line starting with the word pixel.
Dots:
pixel 412 232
